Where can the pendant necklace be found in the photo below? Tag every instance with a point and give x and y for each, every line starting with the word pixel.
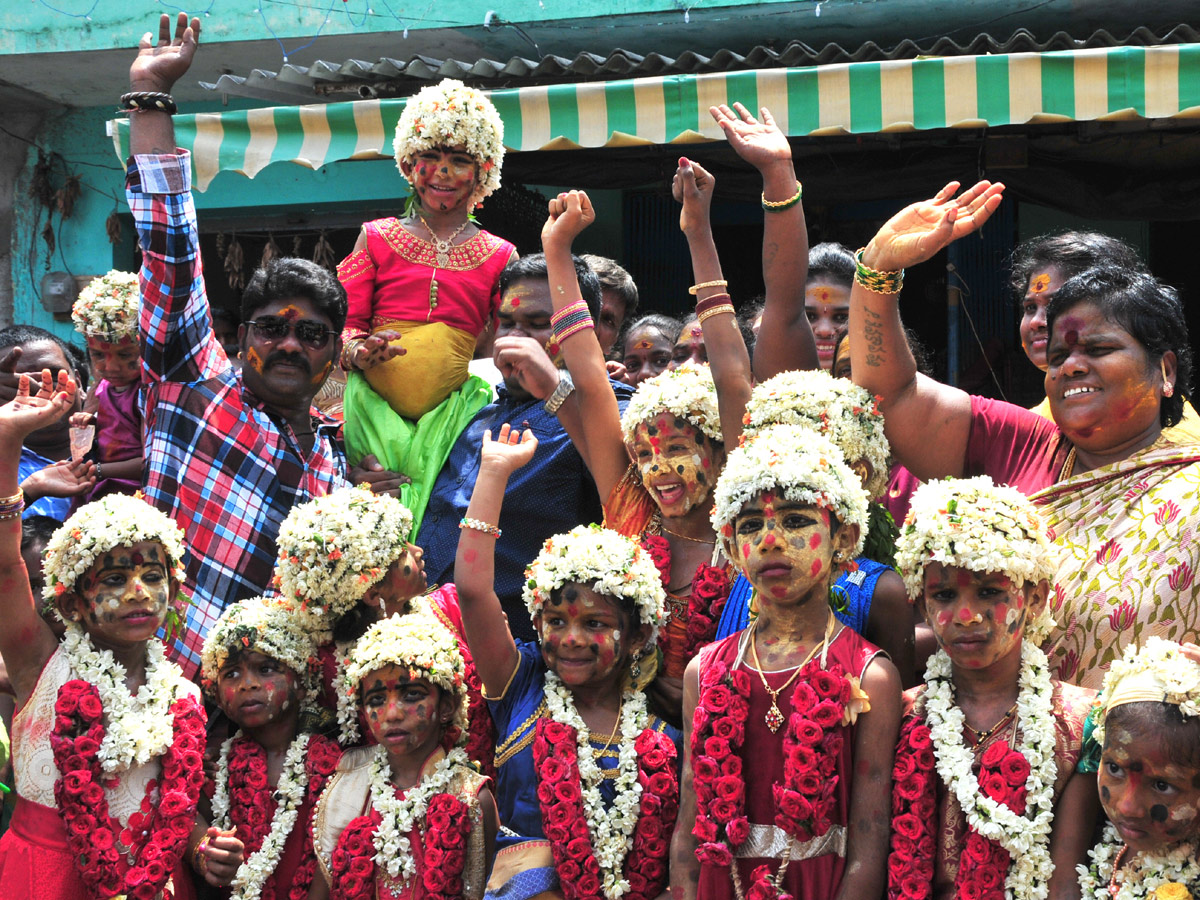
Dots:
pixel 442 250
pixel 774 717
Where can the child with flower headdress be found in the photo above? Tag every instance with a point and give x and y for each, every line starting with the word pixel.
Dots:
pixel 587 780
pixel 257 663
pixel 106 314
pixel 410 816
pixel 1146 727
pixel 987 801
pixel 108 742
pixel 345 561
pixel 422 289
pixel 789 723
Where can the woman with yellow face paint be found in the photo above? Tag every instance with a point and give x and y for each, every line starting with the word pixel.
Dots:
pixel 422 289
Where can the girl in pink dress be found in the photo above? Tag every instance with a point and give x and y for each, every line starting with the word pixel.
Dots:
pixel 790 724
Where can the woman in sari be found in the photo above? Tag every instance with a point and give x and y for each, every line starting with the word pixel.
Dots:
pixel 1117 487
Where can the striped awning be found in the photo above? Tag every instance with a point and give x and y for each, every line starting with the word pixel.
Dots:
pixel 854 98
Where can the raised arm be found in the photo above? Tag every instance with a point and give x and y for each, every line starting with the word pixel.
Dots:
pixel 927 422
pixel 603 445
pixel 26 642
pixel 488 637
pixel 177 337
pixel 785 340
pixel 728 359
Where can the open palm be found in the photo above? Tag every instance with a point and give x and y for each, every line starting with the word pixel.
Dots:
pixel 511 449
pixel 158 66
pixel 757 142
pixel 921 229
pixel 30 410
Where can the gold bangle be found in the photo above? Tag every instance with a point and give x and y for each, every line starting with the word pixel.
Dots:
pixel 348 351
pixel 781 205
pixel 716 311
pixel 199 859
pixel 877 281
pixel 720 282
pixel 18 497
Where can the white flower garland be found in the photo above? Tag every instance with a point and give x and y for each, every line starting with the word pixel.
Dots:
pixel 253 873
pixel 1026 837
pixel 839 409
pixel 611 832
pixel 978 525
pixel 687 392
pixel 137 728
pixel 804 465
pixel 604 560
pixel 398 815
pixel 108 307
pixel 1156 670
pixel 1141 879
pixel 265 626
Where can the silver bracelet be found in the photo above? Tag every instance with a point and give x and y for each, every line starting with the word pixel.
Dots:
pixel 561 393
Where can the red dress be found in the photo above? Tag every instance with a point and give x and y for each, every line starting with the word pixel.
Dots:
pixel 815 872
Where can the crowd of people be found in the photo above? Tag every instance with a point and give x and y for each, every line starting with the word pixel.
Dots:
pixel 637 620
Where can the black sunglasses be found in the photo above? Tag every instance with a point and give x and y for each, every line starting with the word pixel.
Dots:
pixel 309 333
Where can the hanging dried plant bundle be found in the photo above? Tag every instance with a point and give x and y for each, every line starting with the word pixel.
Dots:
pixel 221 243
pixel 48 237
pixel 270 251
pixel 296 245
pixel 323 254
pixel 234 265
pixel 112 228
pixel 40 187
pixel 66 196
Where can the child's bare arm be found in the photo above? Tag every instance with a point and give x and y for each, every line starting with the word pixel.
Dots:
pixel 685 868
pixel 1075 817
pixel 886 626
pixel 488 637
pixel 491 826
pixel 871 785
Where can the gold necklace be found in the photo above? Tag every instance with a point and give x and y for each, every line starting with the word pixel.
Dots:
pixel 599 753
pixel 442 247
pixel 981 736
pixel 774 717
pixel 684 537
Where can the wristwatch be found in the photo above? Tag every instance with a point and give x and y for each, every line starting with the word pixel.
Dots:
pixel 561 393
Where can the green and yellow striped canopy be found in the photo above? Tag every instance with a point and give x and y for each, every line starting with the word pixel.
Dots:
pixel 852 98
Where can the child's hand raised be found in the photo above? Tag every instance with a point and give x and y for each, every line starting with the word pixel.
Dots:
pixel 510 450
pixel 569 214
pixel 29 410
pixel 693 187
pixel 758 143
pixel 223 854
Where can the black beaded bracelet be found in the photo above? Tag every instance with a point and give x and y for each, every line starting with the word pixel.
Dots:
pixel 148 101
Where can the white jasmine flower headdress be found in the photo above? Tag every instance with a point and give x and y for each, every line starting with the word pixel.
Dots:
pixel 108 307
pixel 687 392
pixel 603 560
pixel 450 114
pixel 416 641
pixel 1156 672
pixel 839 409
pixel 976 524
pixel 263 626
pixel 799 463
pixel 334 548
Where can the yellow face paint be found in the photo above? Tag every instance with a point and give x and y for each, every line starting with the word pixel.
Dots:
pixel 290 313
pixel 254 360
pixel 1040 283
pixel 323 374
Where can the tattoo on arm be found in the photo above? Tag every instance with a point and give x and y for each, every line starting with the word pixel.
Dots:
pixel 873 337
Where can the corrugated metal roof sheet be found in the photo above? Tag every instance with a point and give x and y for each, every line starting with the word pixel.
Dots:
pixel 390 77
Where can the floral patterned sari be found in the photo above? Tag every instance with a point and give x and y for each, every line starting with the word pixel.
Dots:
pixel 1129 554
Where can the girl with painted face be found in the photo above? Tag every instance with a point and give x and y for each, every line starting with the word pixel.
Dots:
pixel 106 314
pixel 588 781
pixel 1146 721
pixel 422 289
pixel 108 743
pixel 345 561
pixel 997 806
pixel 410 816
pixel 790 723
pixel 256 664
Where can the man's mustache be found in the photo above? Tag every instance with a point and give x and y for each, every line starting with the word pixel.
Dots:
pixel 293 359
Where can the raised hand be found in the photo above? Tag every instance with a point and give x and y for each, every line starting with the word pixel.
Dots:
pixel 759 143
pixel 158 66
pixel 509 451
pixel 569 214
pixel 920 230
pixel 376 349
pixel 30 410
pixel 693 187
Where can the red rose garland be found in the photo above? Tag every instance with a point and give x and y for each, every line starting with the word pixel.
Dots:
pixel 442 848
pixel 983 864
pixel 157 836
pixel 710 590
pixel 560 796
pixel 252 802
pixel 811 746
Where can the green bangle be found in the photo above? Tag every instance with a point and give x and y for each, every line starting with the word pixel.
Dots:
pixel 874 280
pixel 781 205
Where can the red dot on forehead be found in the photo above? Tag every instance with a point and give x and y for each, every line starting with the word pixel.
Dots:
pixel 1071 337
pixel 964 579
pixel 516 301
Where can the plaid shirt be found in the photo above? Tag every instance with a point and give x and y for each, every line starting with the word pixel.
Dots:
pixel 217 460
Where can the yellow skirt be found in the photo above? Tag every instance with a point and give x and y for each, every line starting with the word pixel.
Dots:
pixel 432 368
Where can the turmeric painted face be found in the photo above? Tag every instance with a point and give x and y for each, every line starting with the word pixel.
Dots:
pixel 827 306
pixel 677 462
pixel 978 618
pixel 444 178
pixel 1043 285
pixel 784 547
pixel 690 347
pixel 405 712
pixel 256 690
pixel 647 353
pixel 117 362
pixel 586 638
pixel 1153 802
pixel 122 598
pixel 405 579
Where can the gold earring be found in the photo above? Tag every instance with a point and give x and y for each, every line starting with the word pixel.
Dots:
pixel 635 667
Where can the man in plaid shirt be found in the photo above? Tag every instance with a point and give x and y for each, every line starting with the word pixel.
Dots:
pixel 227 453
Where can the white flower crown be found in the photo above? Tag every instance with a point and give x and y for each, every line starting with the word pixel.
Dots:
pixel 603 560
pixel 803 465
pixel 687 392
pixel 118 520
pixel 416 641
pixel 1155 672
pixel 108 307
pixel 450 114
pixel 976 524
pixel 332 549
pixel 839 409
pixel 261 625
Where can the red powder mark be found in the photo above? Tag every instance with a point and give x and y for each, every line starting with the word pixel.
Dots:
pixel 1071 337
pixel 964 579
pixel 515 302
pixel 26 635
pixel 707 463
pixel 643 344
pixel 290 313
pixel 779 590
pixel 769 540
pixel 815 569
pixel 470 556
pixel 746 551
pixel 573 611
pixel 769 497
pixel 1020 601
pixel 943 619
pixel 1001 611
pixel 814 542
